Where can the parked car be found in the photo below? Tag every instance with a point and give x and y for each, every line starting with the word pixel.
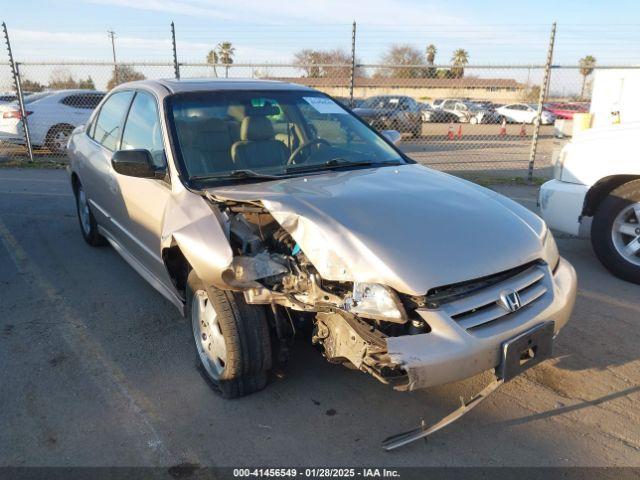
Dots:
pixel 478 113
pixel 436 115
pixel 457 108
pixel 525 113
pixel 596 192
pixel 252 237
pixel 566 111
pixel 52 116
pixel 392 112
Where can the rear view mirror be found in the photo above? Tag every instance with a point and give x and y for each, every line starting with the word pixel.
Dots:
pixel 393 136
pixel 136 163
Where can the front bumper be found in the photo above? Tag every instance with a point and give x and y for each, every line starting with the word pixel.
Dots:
pixel 561 205
pixel 450 353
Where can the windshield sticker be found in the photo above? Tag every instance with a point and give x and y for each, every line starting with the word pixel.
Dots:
pixel 324 105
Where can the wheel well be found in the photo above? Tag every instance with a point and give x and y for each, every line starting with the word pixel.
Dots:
pixel 58 126
pixel 75 181
pixel 178 267
pixel 598 192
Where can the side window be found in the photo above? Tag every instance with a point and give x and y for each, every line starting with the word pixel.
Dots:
pixel 84 101
pixel 142 128
pixel 110 119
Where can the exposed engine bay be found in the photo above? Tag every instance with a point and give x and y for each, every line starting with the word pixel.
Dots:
pixel 271 269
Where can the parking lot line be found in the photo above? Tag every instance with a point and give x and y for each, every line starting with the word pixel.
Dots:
pixel 86 347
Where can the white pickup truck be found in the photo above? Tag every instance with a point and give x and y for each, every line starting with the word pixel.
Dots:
pixel 596 192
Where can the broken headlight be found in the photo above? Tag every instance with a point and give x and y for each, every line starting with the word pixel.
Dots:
pixel 372 300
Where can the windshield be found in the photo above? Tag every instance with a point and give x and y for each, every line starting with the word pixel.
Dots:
pixel 381 102
pixel 243 134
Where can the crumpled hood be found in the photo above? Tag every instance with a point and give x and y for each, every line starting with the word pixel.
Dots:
pixel 408 227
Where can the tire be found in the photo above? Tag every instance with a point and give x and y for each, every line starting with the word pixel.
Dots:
pixel 231 339
pixel 57 138
pixel 88 224
pixel 615 232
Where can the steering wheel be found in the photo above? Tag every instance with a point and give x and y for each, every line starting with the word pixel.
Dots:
pixel 296 153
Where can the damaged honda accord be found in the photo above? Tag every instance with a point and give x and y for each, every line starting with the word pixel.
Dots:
pixel 262 209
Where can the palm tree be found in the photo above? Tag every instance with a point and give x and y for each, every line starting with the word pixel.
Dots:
pixel 459 59
pixel 212 59
pixel 431 57
pixel 431 53
pixel 225 52
pixel 587 65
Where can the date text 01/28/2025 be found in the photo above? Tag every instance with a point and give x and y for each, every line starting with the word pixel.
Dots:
pixel 315 473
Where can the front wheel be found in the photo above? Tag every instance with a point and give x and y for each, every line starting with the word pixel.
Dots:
pixel 231 337
pixel 615 232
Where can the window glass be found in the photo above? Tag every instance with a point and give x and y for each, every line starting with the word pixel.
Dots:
pixel 109 123
pixel 84 101
pixel 273 133
pixel 142 129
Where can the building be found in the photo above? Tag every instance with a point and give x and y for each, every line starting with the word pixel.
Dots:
pixel 615 97
pixel 501 90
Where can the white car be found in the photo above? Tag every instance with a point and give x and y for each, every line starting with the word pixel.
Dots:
pixel 596 192
pixel 51 117
pixel 525 113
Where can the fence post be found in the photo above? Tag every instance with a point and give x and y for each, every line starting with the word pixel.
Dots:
pixel 176 65
pixel 353 63
pixel 543 94
pixel 15 71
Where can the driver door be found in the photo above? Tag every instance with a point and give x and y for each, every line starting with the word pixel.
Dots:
pixel 144 200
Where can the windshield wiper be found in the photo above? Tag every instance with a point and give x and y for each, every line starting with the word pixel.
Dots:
pixel 337 162
pixel 234 175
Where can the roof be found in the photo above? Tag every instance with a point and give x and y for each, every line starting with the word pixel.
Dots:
pixel 208 84
pixel 464 82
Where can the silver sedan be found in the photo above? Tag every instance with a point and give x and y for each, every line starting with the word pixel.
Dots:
pixel 262 209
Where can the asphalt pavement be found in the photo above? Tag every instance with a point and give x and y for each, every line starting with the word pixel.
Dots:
pixel 97 369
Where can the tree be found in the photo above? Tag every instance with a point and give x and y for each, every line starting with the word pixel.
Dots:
pixel 314 63
pixel 61 79
pixel 31 86
pixel 459 59
pixel 225 51
pixel 431 57
pixel 399 55
pixel 87 84
pixel 587 66
pixel 212 59
pixel 122 74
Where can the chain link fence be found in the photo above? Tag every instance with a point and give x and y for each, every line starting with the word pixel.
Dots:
pixel 470 120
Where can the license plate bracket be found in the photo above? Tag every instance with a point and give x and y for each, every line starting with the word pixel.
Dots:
pixel 526 350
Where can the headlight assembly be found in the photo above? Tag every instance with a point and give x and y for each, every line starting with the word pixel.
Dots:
pixel 372 300
pixel 550 252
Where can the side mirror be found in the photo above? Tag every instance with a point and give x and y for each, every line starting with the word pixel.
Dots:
pixel 136 163
pixel 393 136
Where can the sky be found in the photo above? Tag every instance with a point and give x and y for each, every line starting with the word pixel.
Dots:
pixel 495 32
pixel 268 31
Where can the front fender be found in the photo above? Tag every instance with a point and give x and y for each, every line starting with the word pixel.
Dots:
pixel 197 228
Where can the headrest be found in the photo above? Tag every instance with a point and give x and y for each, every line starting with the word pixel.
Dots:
pixel 239 112
pixel 256 129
